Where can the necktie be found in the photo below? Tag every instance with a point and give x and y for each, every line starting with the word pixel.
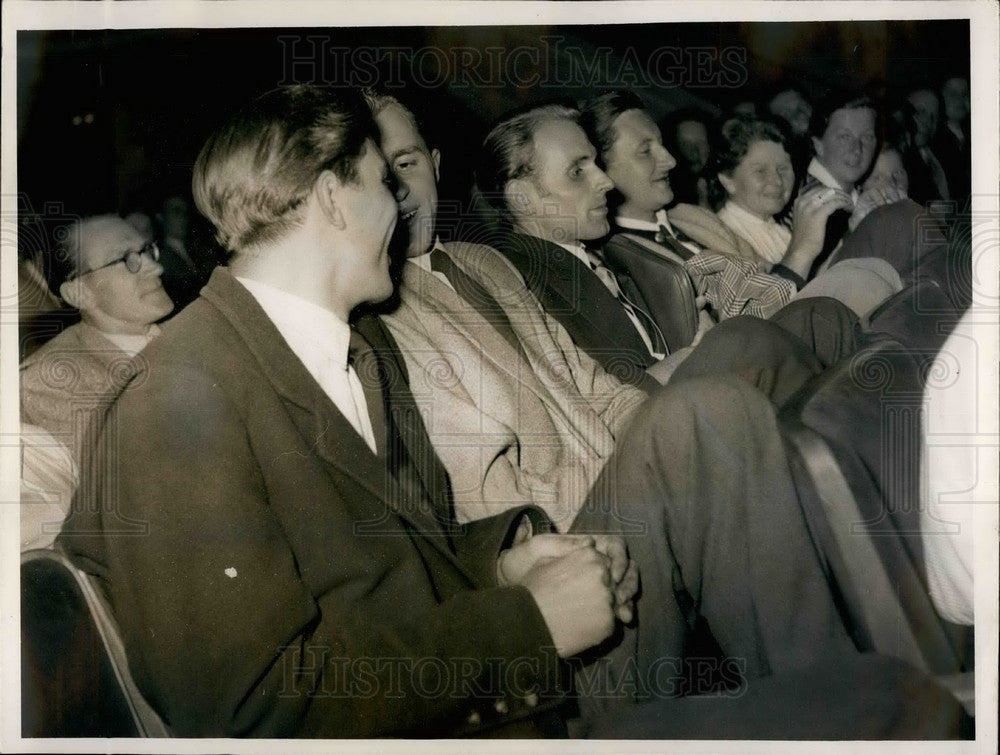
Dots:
pixel 475 295
pixel 361 357
pixel 648 330
pixel 667 239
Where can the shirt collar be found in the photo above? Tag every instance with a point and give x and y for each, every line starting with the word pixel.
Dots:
pixel 423 261
pixel 132 344
pixel 578 251
pixel 819 171
pixel 644 225
pixel 313 333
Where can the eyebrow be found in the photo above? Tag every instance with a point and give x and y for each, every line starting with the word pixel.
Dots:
pixel 408 150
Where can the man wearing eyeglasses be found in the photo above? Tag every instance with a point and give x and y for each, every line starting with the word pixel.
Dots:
pixel 109 271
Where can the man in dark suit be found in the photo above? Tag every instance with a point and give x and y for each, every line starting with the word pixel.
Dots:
pixel 928 181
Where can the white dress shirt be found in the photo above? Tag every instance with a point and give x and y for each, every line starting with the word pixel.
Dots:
pixel 818 171
pixel 423 261
pixel 320 340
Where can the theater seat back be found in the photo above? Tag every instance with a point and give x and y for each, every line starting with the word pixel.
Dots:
pixel 854 442
pixel 663 284
pixel 74 676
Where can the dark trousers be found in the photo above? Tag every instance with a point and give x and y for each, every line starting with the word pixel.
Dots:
pixel 777 356
pixel 701 489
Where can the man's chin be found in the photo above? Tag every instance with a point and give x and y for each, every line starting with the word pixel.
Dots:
pixel 162 304
pixel 383 292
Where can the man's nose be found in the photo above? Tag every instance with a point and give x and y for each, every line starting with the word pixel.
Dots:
pixel 601 181
pixel 401 190
pixel 150 266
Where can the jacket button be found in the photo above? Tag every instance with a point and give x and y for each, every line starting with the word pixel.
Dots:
pixel 474 718
pixel 531 699
pixel 501 706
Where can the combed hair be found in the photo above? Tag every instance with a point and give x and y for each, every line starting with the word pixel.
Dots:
pixel 508 150
pixel 256 170
pixel 597 118
pixel 834 102
pixel 417 112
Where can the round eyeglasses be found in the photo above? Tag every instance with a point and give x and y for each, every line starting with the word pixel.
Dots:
pixel 132 259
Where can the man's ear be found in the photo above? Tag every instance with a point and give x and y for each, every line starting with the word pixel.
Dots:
pixel 73 292
pixel 520 195
pixel 328 190
pixel 436 159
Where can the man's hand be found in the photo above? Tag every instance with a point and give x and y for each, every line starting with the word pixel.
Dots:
pixel 526 552
pixel 575 598
pixel 624 573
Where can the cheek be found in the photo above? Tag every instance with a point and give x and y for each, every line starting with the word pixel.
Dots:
pixel 120 296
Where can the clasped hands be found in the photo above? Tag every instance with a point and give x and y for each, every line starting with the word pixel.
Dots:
pixel 581 583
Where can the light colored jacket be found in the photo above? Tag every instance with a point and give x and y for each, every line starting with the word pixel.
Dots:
pixel 512 426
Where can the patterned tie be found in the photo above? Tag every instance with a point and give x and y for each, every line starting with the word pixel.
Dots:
pixel 643 322
pixel 362 358
pixel 475 295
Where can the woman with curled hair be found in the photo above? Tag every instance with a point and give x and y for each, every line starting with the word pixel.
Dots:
pixel 754 181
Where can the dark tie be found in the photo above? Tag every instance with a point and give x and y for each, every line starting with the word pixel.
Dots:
pixel 361 357
pixel 667 239
pixel 475 295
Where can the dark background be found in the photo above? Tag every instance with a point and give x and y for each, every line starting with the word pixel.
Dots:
pixel 113 120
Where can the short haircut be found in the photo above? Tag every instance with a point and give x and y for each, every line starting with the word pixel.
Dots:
pixel 736 137
pixel 65 257
pixel 508 151
pixel 256 170
pixel 597 117
pixel 838 101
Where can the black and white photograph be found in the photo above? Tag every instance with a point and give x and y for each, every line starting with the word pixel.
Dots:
pixel 384 377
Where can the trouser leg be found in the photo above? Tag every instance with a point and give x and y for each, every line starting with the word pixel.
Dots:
pixel 700 486
pixel 827 327
pixel 759 352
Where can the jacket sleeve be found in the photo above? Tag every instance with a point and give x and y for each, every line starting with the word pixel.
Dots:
pixel 735 287
pixel 228 634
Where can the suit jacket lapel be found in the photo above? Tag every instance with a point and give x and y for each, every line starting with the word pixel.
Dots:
pixel 334 438
pixel 433 478
pixel 571 292
pixel 489 344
